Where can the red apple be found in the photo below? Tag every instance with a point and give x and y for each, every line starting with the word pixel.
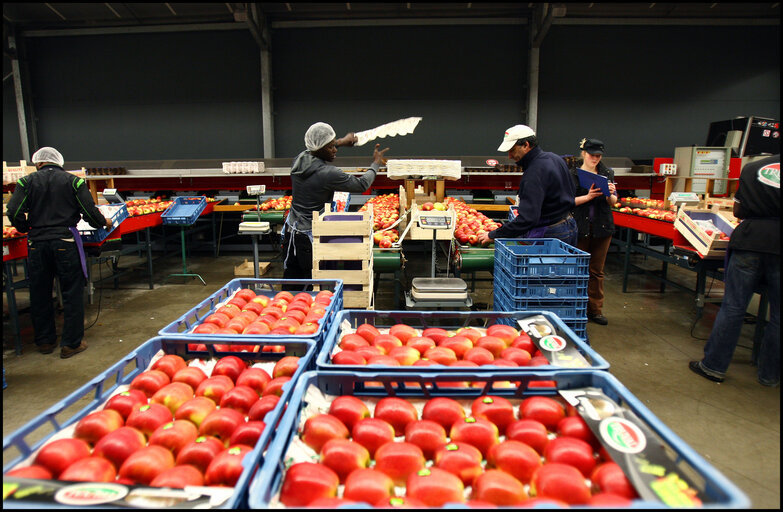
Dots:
pixel 420 343
pixel 195 410
pixel 460 459
pixel 226 467
pixel 492 343
pixel 191 375
pixel 435 487
pixel 544 409
pixel 472 334
pixel 531 432
pixel 443 410
pixel 215 387
pixel 368 485
pixel 398 460
pixel 257 327
pixel 398 412
pixel 241 398
pixel 118 445
pixel 143 465
pixel 368 352
pixel 90 469
pixel 173 395
pixel 482 434
pixel 124 402
pixel 179 477
pixel 561 482
pixel 174 435
pixel 286 367
pixel 349 410
pixel 260 409
pixel 353 342
pixel 367 331
pixel 520 356
pixel 441 355
pixel 575 426
pixel 206 328
pixel 500 488
pixel 95 425
pixel 199 453
pixel 405 355
pixel 515 458
pixel 386 342
pixel 221 423
pixel 34 471
pixel 524 342
pixel 428 435
pixel 149 417
pixel 321 428
pixel 459 344
pixel 150 382
pixel 255 378
pixel 403 332
pixel 344 456
pixel 305 482
pixel 372 433
pixel 57 455
pixel 608 477
pixel 230 366
pixel 247 433
pixel 479 355
pixel 169 364
pixel 348 357
pixel 275 386
pixel 504 332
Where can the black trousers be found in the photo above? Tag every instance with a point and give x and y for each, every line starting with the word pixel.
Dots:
pixel 47 259
pixel 299 259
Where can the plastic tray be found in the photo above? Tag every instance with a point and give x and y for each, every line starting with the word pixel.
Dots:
pixel 183 326
pixel 447 320
pixel 184 210
pixel 266 484
pixel 527 287
pixel 563 308
pixel 512 212
pixel 99 235
pixel 540 257
pixel 123 372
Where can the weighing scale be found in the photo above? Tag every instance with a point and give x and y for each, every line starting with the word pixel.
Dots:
pixel 254 228
pixel 435 292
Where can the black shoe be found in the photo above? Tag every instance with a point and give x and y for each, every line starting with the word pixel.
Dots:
pixel 47 349
pixel 67 352
pixel 769 384
pixel 695 367
pixel 599 319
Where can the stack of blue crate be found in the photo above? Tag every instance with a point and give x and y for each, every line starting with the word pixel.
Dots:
pixel 542 274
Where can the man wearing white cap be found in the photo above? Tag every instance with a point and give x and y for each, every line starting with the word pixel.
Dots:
pixel 546 193
pixel 47 205
pixel 313 183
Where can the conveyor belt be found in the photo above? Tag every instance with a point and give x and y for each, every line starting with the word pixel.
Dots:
pixel 385 260
pixel 274 217
pixel 473 259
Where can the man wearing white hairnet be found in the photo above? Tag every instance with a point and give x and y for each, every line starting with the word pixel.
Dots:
pixel 47 205
pixel 314 181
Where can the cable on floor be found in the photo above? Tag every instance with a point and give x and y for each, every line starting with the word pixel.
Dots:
pixel 696 321
pixel 100 296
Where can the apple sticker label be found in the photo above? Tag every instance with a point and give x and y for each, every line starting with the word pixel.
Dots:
pixel 557 348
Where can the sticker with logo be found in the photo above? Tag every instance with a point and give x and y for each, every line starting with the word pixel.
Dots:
pixel 770 175
pixel 492 162
pixel 81 495
pixel 622 435
pixel 552 343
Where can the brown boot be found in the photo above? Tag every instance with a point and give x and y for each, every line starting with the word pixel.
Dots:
pixel 47 349
pixel 67 352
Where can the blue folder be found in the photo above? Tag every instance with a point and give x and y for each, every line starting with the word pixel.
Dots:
pixel 587 178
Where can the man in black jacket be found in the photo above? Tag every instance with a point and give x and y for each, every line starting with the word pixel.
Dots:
pixel 546 194
pixel 47 205
pixel 314 181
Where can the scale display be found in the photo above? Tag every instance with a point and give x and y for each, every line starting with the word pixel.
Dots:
pixel 430 222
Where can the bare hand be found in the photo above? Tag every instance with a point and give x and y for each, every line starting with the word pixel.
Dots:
pixel 378 156
pixel 108 224
pixel 484 238
pixel 593 192
pixel 349 140
pixel 612 189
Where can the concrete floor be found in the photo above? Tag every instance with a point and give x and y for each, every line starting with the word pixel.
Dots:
pixel 649 340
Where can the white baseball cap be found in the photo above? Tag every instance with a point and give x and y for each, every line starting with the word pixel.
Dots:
pixel 513 134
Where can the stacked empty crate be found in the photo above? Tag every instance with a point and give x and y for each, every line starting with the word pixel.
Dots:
pixel 542 274
pixel 342 249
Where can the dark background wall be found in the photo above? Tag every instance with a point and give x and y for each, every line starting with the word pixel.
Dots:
pixel 196 95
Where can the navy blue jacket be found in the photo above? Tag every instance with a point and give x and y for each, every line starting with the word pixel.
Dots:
pixel 546 194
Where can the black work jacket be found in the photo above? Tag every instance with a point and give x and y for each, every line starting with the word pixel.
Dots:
pixel 601 224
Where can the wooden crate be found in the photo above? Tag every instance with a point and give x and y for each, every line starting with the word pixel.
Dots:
pixel 417 233
pixel 245 269
pixel 709 246
pixel 12 173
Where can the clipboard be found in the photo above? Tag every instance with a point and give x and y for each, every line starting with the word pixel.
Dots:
pixel 587 178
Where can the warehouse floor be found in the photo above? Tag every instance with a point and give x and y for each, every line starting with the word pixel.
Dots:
pixel 650 338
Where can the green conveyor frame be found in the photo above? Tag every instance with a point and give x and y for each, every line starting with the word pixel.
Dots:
pixel 272 217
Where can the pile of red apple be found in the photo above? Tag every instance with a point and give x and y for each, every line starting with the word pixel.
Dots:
pixel 146 206
pixel 403 345
pixel 385 209
pixel 491 452
pixel 278 204
pixel 651 213
pixel 642 202
pixel 11 232
pixel 175 426
pixel 470 222
pixel 284 314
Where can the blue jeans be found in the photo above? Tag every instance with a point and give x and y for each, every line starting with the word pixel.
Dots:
pixel 566 231
pixel 746 273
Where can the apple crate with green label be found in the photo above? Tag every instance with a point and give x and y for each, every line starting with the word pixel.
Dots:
pixel 440 436
pixel 112 442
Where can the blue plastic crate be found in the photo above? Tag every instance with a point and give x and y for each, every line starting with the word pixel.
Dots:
pixel 184 210
pixel 99 235
pixel 122 373
pixel 527 287
pixel 184 325
pixel 540 257
pixel 449 320
pixel 512 212
pixel 563 308
pixel 718 489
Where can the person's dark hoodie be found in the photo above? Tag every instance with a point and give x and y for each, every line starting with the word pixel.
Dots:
pixel 314 182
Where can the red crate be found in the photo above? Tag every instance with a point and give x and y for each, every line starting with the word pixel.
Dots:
pixel 15 248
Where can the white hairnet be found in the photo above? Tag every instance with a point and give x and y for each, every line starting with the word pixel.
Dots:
pixel 318 136
pixel 48 154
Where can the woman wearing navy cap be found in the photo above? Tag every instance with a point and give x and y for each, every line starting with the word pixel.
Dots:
pixel 593 214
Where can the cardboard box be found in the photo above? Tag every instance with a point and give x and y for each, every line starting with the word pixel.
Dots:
pixel 708 245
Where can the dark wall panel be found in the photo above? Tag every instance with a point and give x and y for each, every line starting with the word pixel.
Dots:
pixel 646 90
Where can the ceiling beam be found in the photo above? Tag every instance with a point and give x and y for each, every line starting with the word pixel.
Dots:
pixel 196 27
pixel 47 4
pixel 108 5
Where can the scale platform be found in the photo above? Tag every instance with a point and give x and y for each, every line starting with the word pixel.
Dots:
pixel 253 227
pixel 438 291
